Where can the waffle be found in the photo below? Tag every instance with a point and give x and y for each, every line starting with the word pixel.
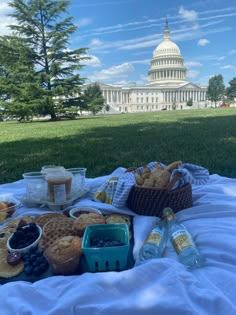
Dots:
pixel 43 219
pixel 55 229
pixel 6 270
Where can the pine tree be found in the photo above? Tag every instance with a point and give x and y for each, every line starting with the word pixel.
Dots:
pixel 45 27
pixel 20 92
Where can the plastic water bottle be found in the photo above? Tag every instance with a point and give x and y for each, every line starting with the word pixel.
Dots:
pixel 182 241
pixel 155 243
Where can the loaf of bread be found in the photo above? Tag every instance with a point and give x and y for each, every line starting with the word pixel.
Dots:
pixel 157 178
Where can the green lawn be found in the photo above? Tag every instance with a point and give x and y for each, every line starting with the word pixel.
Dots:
pixel 205 137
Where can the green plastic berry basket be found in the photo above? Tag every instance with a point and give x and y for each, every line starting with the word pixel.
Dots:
pixel 106 258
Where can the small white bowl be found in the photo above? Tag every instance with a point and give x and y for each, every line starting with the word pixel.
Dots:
pixel 82 209
pixel 27 248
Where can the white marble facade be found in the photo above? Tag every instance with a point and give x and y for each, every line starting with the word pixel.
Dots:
pixel 166 89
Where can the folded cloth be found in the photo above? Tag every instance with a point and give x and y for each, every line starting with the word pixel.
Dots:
pixel 191 173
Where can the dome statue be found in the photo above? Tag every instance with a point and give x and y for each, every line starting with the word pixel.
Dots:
pixel 167 65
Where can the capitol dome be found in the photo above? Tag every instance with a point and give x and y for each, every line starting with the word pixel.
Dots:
pixel 167 65
pixel 167 47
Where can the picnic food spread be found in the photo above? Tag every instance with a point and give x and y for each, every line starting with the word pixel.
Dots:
pixel 60 240
pixel 59 247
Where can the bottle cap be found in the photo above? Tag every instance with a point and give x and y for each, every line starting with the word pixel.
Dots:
pixel 168 214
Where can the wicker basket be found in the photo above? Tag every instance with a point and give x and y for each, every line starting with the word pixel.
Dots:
pixel 151 201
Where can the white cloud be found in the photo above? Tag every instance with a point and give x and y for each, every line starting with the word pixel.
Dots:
pixel 143 79
pixel 84 22
pixel 192 74
pixel 221 58
pixel 93 61
pixel 211 58
pixel 203 42
pixel 114 73
pixel 193 64
pixel 141 62
pixel 122 83
pixel 153 39
pixel 188 15
pixel 229 67
pixel 95 42
pixel 4 18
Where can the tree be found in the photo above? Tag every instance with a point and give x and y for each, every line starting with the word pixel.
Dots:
pixel 20 91
pixel 190 102
pixel 107 107
pixel 44 27
pixel 216 88
pixel 231 90
pixel 93 99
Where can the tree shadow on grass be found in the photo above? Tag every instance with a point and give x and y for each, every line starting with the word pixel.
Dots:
pixel 207 141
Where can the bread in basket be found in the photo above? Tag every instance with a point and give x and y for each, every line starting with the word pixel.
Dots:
pixel 153 191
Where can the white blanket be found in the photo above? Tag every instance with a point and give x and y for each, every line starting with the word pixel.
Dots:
pixel 159 286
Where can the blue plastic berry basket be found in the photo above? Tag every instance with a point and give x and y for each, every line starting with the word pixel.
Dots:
pixel 106 258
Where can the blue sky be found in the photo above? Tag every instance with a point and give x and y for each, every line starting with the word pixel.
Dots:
pixel 122 34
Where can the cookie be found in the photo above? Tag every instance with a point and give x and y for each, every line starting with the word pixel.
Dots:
pixel 86 219
pixel 6 270
pixel 117 218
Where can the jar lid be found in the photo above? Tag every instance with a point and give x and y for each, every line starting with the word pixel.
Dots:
pixel 58 175
pixel 51 168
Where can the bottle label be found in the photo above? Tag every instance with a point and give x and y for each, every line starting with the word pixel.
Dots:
pixel 155 237
pixel 59 193
pixel 181 240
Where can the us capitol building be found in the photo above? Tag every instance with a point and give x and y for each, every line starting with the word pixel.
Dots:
pixel 167 87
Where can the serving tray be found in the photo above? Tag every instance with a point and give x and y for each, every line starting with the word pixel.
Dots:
pixel 48 273
pixel 33 203
pixel 83 267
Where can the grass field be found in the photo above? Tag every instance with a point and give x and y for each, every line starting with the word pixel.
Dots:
pixel 205 137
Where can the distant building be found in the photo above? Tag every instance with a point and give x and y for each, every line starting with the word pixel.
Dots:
pixel 167 87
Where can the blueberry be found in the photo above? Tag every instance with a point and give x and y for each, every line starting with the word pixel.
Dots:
pixel 44 265
pixel 35 263
pixel 19 235
pixel 32 257
pixel 38 252
pixel 28 270
pixel 27 262
pixel 40 259
pixel 37 271
pixel 33 250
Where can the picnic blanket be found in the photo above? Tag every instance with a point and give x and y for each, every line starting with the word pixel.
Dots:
pixel 158 286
